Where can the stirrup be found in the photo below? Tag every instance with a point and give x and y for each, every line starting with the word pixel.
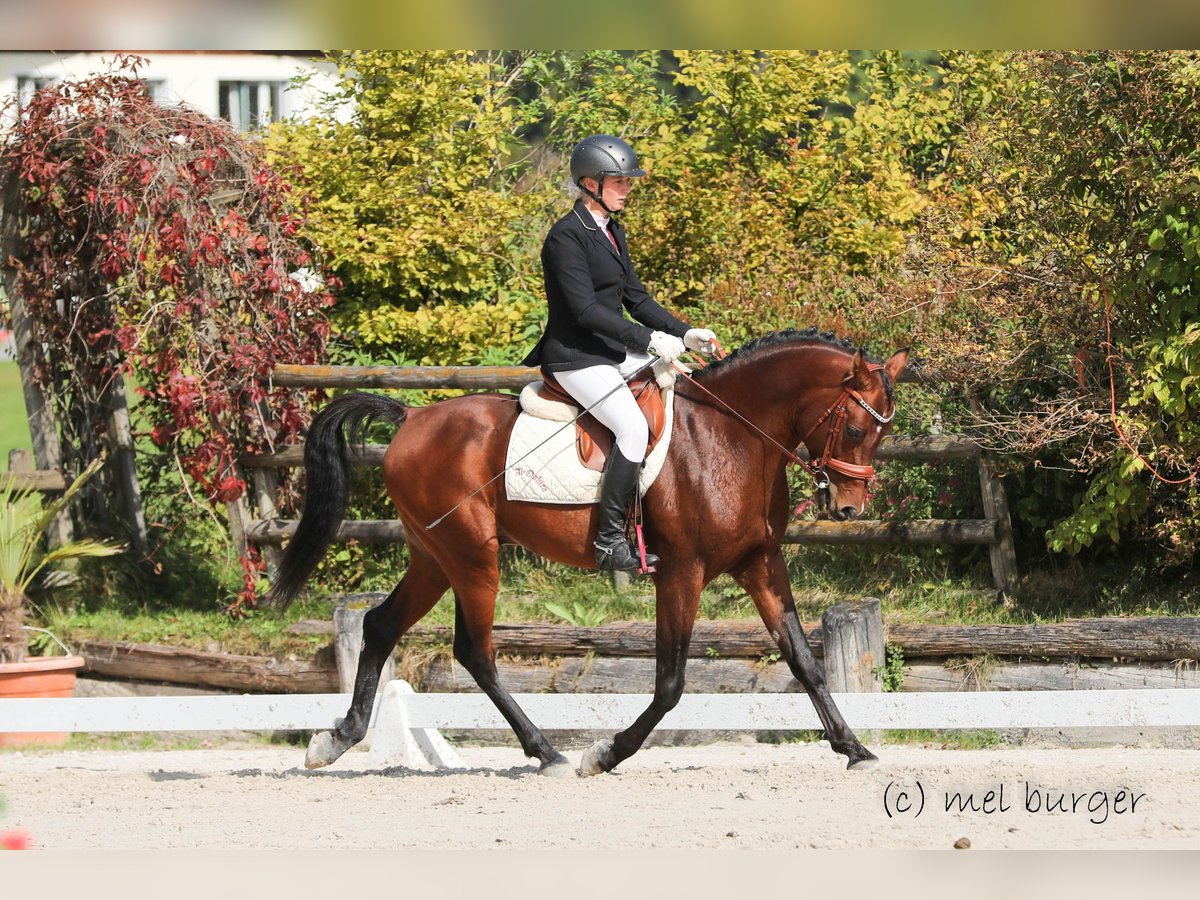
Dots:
pixel 620 557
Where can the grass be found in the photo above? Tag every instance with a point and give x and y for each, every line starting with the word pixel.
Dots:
pixel 14 426
pixel 262 634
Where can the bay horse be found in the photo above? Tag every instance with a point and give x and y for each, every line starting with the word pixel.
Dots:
pixel 720 504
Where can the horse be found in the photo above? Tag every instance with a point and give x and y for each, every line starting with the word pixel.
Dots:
pixel 720 505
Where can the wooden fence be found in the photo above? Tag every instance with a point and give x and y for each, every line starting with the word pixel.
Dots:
pixel 265 527
pixel 734 655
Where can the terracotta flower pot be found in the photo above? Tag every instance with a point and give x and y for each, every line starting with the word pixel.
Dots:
pixel 43 676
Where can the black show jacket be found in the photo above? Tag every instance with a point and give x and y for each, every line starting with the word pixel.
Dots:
pixel 587 282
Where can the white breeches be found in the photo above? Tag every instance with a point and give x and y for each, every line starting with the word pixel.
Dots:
pixel 618 412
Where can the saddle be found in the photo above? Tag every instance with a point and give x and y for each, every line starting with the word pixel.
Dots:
pixel 593 442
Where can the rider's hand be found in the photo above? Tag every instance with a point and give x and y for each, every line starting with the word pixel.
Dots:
pixel 701 340
pixel 666 346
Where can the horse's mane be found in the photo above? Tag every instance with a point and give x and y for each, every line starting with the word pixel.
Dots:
pixel 809 337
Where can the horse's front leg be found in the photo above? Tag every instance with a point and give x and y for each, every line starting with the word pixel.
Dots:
pixel 766 580
pixel 677 598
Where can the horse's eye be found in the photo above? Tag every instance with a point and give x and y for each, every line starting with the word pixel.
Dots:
pixel 854 433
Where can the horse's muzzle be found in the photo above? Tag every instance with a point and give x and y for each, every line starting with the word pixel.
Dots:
pixel 844 513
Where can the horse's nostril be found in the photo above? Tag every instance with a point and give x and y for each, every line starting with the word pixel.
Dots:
pixel 847 512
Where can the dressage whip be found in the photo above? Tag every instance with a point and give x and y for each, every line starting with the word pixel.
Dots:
pixel 549 438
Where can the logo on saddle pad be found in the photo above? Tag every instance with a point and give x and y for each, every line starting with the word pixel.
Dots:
pixel 567 465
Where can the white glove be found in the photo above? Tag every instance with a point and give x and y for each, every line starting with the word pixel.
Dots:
pixel 666 346
pixel 701 340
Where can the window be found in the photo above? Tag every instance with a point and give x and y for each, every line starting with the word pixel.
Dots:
pixel 249 104
pixel 156 88
pixel 28 85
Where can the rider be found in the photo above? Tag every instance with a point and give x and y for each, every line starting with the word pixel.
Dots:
pixel 588 345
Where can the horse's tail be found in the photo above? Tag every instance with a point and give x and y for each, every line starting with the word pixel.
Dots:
pixel 327 469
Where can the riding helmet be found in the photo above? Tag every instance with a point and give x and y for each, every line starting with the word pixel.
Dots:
pixel 603 155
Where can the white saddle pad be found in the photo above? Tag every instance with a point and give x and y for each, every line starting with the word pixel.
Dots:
pixel 552 472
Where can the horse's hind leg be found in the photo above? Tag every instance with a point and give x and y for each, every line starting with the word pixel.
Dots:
pixel 766 580
pixel 423 584
pixel 475 590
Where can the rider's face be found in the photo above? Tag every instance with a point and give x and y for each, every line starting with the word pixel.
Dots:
pixel 616 189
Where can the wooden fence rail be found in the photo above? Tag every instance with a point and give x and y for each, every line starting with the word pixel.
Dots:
pixel 269 530
pixel 726 655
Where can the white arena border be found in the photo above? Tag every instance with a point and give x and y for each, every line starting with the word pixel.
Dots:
pixel 405 722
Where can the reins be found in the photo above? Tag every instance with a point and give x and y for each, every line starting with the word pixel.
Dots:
pixel 837 410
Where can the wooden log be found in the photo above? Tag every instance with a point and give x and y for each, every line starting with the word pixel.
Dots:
pixel 293 455
pixel 922 447
pixel 922 531
pixel 175 665
pixel 917 531
pixel 365 531
pixel 442 377
pixel 613 676
pixel 477 378
pixel 1063 675
pixel 711 638
pixel 1146 638
pixel 636 676
pixel 348 640
pixel 854 646
pixel 23 477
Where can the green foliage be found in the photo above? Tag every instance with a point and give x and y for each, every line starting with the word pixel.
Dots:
pixel 893 670
pixel 446 334
pixel 413 166
pixel 23 523
pixel 1088 177
pixel 578 613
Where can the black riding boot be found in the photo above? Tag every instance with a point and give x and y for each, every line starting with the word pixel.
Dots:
pixel 614 553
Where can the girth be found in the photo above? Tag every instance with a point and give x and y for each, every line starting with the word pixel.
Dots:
pixel 593 442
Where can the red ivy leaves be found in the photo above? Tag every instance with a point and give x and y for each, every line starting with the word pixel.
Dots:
pixel 160 243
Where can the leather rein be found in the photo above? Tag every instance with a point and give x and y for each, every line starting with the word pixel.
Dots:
pixel 836 413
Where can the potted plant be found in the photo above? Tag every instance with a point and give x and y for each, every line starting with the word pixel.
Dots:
pixel 23 522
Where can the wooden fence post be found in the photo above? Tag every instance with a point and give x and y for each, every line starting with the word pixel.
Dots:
pixel 266 489
pixel 854 646
pixel 43 430
pixel 348 638
pixel 995 507
pixel 125 466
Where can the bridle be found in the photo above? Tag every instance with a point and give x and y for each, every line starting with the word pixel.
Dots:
pixel 836 413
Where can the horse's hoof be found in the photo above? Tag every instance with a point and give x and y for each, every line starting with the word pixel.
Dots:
pixel 863 763
pixel 596 759
pixel 322 750
pixel 556 768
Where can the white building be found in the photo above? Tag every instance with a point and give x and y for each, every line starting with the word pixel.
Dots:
pixel 248 88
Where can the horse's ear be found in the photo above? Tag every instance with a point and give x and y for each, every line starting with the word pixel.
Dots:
pixel 859 374
pixel 896 364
